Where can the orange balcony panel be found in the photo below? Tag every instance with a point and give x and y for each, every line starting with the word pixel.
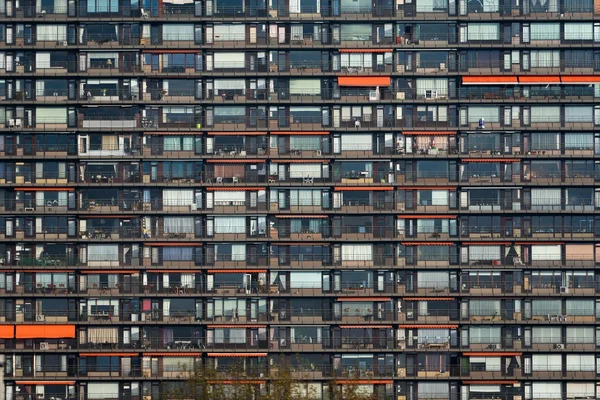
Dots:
pixel 364 81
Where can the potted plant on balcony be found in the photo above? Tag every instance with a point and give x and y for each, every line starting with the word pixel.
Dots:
pixel 104 91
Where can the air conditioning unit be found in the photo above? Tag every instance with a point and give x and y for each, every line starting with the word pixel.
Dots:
pixel 40 318
pixel 193 207
pixel 319 153
pixel 64 43
pixel 564 289
pixel 559 346
pixel 44 346
pixel 497 346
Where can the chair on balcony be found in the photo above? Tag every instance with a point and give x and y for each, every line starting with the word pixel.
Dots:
pixel 144 14
pixel 219 179
pixel 236 179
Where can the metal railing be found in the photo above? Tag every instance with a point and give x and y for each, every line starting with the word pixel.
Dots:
pixel 465 95
pixel 346 12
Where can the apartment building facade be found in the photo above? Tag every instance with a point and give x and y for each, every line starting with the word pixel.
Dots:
pixel 395 195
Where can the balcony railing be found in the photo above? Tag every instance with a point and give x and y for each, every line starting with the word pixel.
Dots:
pixel 282 12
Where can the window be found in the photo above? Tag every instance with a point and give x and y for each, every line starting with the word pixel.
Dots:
pixel 543 31
pixel 579 31
pixel 482 32
pixel 545 58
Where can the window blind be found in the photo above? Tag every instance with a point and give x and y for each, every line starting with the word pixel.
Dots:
pixel 483 32
pixel 579 390
pixel 174 197
pixel 545 197
pixel 305 86
pixel 484 334
pixel 579 113
pixel 178 32
pixel 42 60
pixel 484 253
pixel 581 362
pixel 227 197
pixel 488 113
pixel 546 253
pixel 357 252
pixel 229 84
pixel 580 307
pixel 48 115
pixel 362 142
pixel 579 30
pixel 305 170
pixel 546 390
pixel 580 334
pixel 439 85
pixel 546 362
pixel 546 335
pixel 544 31
pixel 432 280
pixel 51 32
pixel 230 224
pixel 229 32
pixel 104 390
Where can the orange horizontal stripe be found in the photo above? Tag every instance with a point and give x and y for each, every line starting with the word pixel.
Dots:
pixel 177 271
pixel 428 243
pixel 492 354
pixel 234 189
pixel 109 354
pixel 429 133
pixel 7 331
pixel 428 298
pixel 240 161
pixel 364 81
pixel 364 382
pixel 489 80
pixel 583 79
pixel 404 216
pixel 539 79
pixel 485 243
pixel 235 326
pixel 426 188
pixel 237 133
pixel 303 216
pixel 236 271
pixel 300 161
pixel 362 188
pixel 358 299
pixel 502 382
pixel 45 382
pixel 108 216
pixel 45 331
pixel 174 133
pixel 366 327
pixel 366 50
pixel 196 354
pixel 300 133
pixel 172 244
pixel 236 354
pixel 490 160
pixel 45 189
pixel 240 382
pixel 301 244
pixel 170 51
pixel 429 326
pixel 109 271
